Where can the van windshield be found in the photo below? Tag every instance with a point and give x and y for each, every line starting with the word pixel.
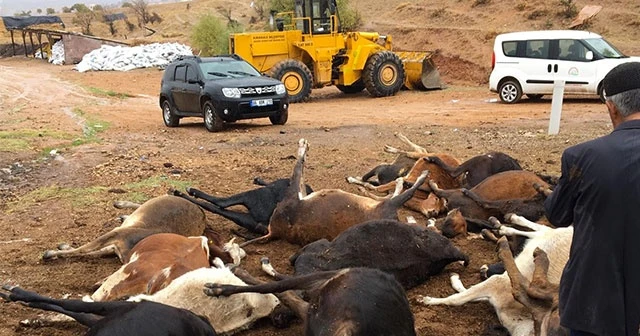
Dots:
pixel 604 48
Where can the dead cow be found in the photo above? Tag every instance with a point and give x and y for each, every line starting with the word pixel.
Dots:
pixel 400 167
pixel 227 315
pixel 162 214
pixel 302 218
pixel 119 318
pixel 409 252
pixel 497 289
pixel 476 169
pixel 515 191
pixel 159 259
pixel 538 295
pixel 259 203
pixel 352 301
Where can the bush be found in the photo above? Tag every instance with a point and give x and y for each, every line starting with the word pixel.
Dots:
pixel 569 9
pixel 210 35
pixel 350 19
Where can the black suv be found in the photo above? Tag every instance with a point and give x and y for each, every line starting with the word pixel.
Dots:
pixel 220 89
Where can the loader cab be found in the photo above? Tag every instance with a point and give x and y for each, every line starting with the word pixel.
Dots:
pixel 317 16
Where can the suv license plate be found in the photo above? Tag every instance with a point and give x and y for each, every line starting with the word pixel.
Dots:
pixel 261 102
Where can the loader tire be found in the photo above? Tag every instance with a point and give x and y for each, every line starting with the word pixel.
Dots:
pixel 296 77
pixel 383 74
pixel 356 87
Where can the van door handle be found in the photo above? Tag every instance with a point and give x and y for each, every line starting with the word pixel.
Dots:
pixel 549 68
pixel 555 68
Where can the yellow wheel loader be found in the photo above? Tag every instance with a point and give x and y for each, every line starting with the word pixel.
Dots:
pixel 309 50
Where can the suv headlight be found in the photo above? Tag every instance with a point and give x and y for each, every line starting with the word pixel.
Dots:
pixel 231 92
pixel 280 89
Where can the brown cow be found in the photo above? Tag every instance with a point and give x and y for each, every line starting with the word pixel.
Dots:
pixel 159 259
pixel 301 219
pixel 515 191
pixel 162 214
pixel 477 168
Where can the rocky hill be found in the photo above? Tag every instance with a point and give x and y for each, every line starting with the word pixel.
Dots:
pixel 461 30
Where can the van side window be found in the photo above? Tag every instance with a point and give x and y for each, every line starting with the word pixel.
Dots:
pixel 180 73
pixel 572 50
pixel 510 48
pixel 537 49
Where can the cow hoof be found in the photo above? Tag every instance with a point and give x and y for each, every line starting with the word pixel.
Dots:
pixel 427 300
pixel 484 269
pixel 48 255
pixel 190 191
pixel 212 290
pixel 63 247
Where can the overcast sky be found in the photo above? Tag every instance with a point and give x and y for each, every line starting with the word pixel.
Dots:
pixel 10 7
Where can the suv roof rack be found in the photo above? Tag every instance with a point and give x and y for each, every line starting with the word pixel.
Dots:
pixel 182 57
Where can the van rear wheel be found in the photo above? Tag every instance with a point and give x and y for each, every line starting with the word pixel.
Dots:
pixel 510 91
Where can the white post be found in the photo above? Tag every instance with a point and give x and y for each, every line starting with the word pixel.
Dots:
pixel 556 107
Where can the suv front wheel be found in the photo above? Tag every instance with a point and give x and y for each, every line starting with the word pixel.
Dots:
pixel 212 120
pixel 168 114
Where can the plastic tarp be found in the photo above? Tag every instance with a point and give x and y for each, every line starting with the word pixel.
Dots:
pixel 19 22
pixel 121 58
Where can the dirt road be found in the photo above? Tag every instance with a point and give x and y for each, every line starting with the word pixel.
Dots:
pixel 71 142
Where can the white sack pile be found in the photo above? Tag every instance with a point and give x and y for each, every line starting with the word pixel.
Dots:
pixel 57 53
pixel 121 58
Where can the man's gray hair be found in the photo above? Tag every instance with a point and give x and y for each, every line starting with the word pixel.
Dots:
pixel 627 102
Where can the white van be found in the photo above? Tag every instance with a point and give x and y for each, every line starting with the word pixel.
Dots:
pixel 528 63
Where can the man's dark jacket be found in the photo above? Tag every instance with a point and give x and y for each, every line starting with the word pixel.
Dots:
pixel 599 193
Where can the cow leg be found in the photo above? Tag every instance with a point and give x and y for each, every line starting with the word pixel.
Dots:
pixel 519 283
pixel 383 188
pixel 125 205
pixel 106 244
pixel 406 141
pixel 411 155
pixel 222 202
pixel 312 281
pixel 243 219
pixel 83 318
pixel 479 292
pixel 521 221
pixel 373 172
pixel 452 171
pixel 78 306
pixel 397 201
pixel 289 298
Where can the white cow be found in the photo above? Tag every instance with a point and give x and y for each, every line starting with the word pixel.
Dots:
pixel 226 314
pixel 515 317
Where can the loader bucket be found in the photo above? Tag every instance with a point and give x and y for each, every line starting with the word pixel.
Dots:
pixel 420 71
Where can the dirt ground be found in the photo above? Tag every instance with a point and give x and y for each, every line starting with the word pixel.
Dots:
pixel 72 143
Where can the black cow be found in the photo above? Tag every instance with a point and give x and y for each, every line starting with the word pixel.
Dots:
pixel 409 252
pixel 352 301
pixel 119 318
pixel 259 202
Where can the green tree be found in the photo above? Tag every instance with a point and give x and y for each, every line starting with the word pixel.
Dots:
pixel 39 11
pixel 210 35
pixel 98 8
pixel 66 9
pixel 50 11
pixel 350 19
pixel 23 13
pixel 80 7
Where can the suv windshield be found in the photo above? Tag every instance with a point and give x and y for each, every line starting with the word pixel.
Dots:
pixel 604 48
pixel 227 69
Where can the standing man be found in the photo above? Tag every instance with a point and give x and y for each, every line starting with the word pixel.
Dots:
pixel 599 193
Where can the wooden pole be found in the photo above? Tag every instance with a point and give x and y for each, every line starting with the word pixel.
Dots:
pixel 32 47
pixel 24 43
pixel 13 43
pixel 556 107
pixel 40 44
